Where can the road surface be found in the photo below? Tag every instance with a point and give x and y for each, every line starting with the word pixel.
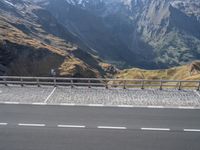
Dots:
pixel 29 127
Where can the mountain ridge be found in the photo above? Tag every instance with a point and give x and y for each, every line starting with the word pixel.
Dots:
pixel 85 35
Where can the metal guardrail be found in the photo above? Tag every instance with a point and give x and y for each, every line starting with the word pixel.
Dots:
pixel 99 82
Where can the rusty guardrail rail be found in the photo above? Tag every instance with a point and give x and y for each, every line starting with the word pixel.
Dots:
pixel 100 82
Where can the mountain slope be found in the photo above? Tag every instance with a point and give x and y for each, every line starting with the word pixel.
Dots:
pixel 175 73
pixel 143 33
pixel 32 43
pixel 185 72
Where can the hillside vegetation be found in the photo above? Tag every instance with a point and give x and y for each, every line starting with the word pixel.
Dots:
pixel 32 43
pixel 186 72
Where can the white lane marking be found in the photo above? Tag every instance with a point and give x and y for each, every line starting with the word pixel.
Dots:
pixel 126 106
pixel 3 124
pixel 0 91
pixel 70 126
pixel 101 105
pixel 96 105
pixel 50 95
pixel 197 93
pixel 31 125
pixel 156 129
pixel 155 106
pixel 39 103
pixel 185 107
pixel 192 130
pixel 11 102
pixel 67 104
pixel 111 127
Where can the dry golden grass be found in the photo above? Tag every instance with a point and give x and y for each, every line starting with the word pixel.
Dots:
pixel 73 67
pixel 176 73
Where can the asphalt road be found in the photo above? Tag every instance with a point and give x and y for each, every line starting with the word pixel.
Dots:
pixel 28 127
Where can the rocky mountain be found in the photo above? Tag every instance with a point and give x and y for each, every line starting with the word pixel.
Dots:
pixel 82 37
pixel 32 42
pixel 144 33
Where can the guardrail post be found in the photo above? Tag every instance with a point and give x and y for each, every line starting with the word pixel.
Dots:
pixel 198 88
pixel 161 85
pixel 38 82
pixel 54 81
pixel 89 86
pixel 142 85
pixel 72 83
pixel 106 85
pixel 21 80
pixel 180 85
pixel 124 87
pixel 5 82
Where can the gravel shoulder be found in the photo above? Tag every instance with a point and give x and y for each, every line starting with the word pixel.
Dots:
pixel 84 95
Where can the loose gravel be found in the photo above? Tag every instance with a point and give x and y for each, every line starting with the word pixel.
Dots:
pixel 84 95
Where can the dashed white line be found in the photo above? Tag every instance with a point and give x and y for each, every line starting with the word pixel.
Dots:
pixel 3 124
pixel 192 130
pixel 31 125
pixel 50 95
pixel 111 127
pixel 156 129
pixel 71 126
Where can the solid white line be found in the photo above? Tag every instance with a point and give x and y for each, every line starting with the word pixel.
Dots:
pixel 192 130
pixel 31 125
pixel 50 95
pixel 71 126
pixel 11 102
pixel 126 106
pixel 3 124
pixel 67 104
pixel 197 93
pixel 155 106
pixel 96 105
pixel 156 129
pixel 39 103
pixel 110 127
pixel 185 107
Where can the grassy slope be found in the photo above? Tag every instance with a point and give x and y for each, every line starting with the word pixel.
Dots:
pixel 176 73
pixel 56 48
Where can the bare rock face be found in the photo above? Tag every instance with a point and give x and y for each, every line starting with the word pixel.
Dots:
pixel 77 36
pixel 32 42
pixel 150 34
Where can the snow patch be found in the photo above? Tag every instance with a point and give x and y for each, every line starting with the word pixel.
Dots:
pixel 9 3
